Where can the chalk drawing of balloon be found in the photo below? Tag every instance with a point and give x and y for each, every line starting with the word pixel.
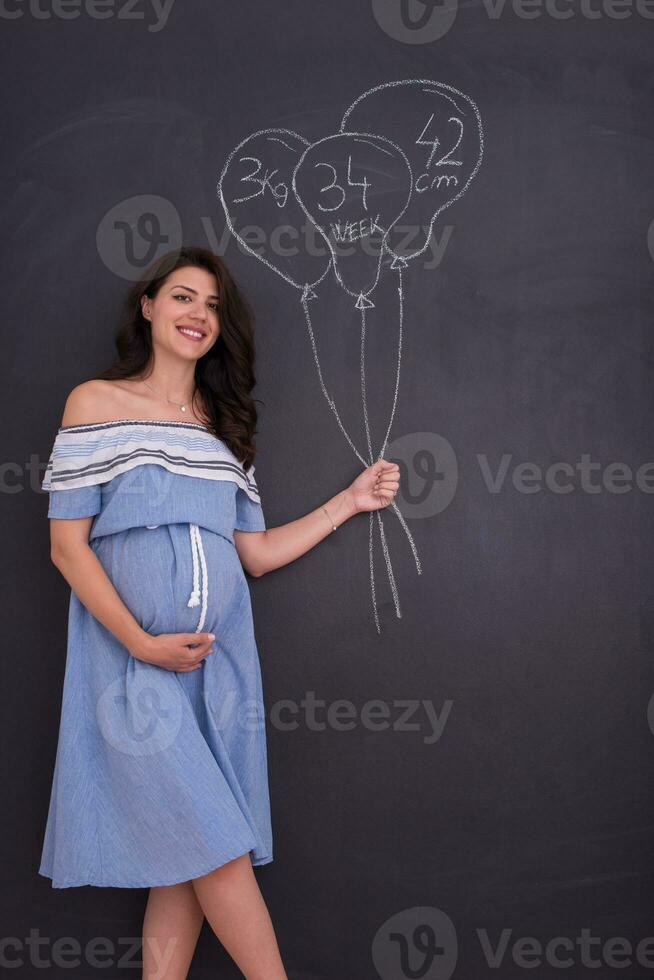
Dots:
pixel 354 186
pixel 439 128
pixel 262 211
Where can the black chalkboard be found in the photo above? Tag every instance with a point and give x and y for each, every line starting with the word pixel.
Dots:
pixel 458 691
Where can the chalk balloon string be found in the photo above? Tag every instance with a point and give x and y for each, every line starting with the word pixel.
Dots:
pixel 306 296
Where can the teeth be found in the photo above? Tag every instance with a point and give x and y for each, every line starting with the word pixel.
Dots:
pixel 191 333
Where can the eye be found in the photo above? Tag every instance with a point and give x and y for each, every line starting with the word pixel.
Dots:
pixel 214 306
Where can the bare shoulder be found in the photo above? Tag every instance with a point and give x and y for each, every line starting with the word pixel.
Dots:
pixel 91 401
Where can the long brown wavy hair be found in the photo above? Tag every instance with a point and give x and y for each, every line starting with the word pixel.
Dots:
pixel 225 374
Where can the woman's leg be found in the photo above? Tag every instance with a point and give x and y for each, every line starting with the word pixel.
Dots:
pixel 235 910
pixel 172 924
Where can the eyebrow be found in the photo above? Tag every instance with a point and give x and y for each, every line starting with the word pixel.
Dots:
pixel 182 286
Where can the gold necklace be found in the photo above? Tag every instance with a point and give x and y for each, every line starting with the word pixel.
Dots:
pixel 181 407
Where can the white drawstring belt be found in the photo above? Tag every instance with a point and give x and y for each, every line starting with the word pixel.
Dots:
pixel 197 551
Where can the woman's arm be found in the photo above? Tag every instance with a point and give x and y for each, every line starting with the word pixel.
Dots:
pixel 71 553
pixel 73 556
pixel 263 551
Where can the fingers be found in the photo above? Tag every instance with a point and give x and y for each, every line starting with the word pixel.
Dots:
pixel 198 649
pixel 188 638
pixel 387 485
pixel 387 475
pixel 194 648
pixel 197 653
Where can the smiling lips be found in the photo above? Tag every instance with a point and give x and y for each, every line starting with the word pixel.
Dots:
pixel 191 333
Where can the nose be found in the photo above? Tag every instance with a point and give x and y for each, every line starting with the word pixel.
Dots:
pixel 198 312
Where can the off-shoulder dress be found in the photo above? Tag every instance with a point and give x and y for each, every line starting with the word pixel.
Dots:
pixel 160 776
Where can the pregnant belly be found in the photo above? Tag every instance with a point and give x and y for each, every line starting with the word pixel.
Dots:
pixel 152 569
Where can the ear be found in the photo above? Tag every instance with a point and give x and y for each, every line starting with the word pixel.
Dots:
pixel 145 306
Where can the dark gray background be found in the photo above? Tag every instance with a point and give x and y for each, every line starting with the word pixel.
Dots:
pixel 534 613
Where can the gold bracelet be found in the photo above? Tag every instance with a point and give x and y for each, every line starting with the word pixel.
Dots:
pixel 329 519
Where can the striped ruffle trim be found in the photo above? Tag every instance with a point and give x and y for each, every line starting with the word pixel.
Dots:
pixel 84 455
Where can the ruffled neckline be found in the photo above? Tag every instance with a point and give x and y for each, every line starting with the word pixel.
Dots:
pixel 95 452
pixel 82 426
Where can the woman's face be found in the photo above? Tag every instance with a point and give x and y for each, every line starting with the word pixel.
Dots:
pixel 184 313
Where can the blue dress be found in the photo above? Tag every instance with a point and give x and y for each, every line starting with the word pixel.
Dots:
pixel 160 776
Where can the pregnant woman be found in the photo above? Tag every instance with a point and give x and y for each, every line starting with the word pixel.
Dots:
pixel 160 778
